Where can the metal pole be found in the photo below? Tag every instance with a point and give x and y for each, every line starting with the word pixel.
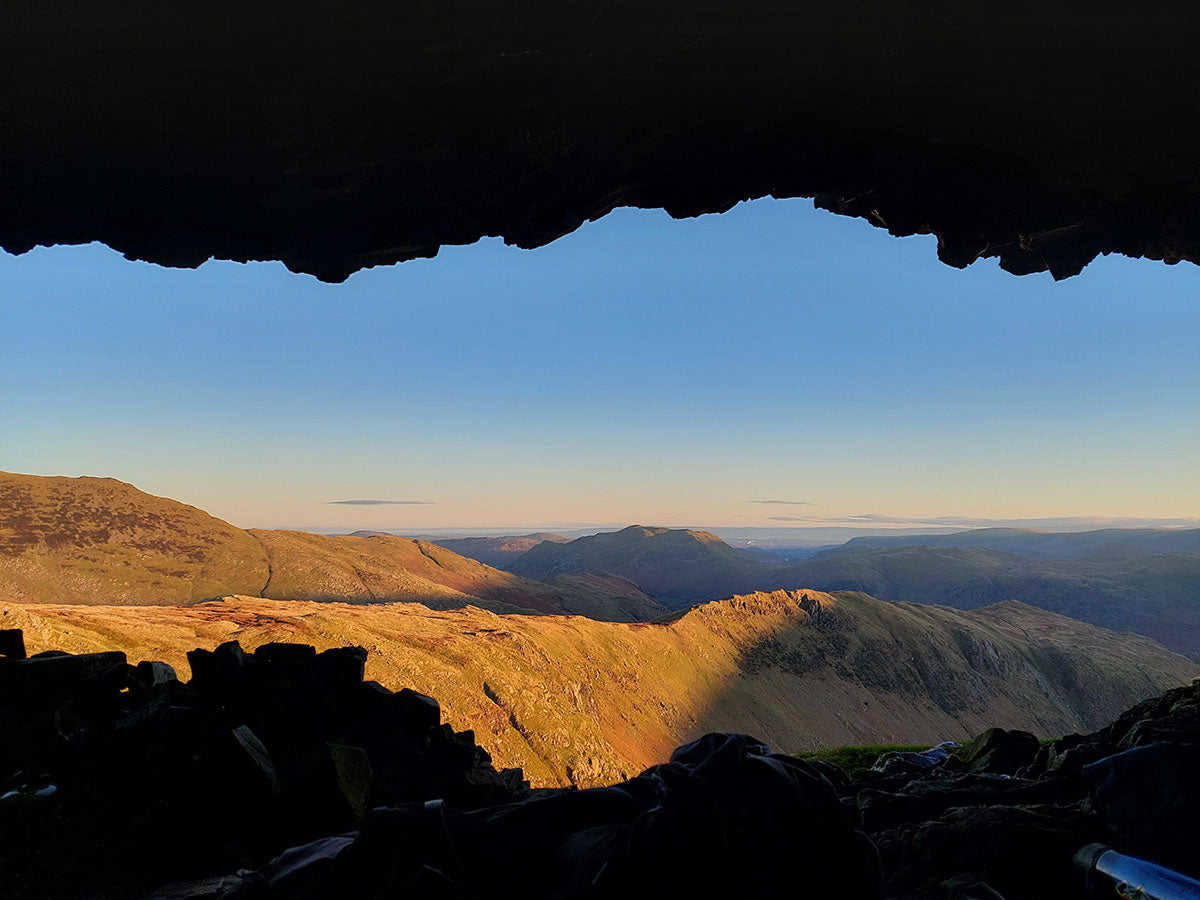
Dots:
pixel 1137 879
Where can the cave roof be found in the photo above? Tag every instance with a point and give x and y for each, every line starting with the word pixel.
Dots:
pixel 336 135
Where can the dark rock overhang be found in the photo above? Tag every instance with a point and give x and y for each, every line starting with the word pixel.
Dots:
pixel 335 135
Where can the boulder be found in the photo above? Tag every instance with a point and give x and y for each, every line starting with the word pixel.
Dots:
pixel 260 767
pixel 1019 851
pixel 1179 723
pixel 331 790
pixel 12 643
pixel 287 769
pixel 151 673
pixel 218 672
pixel 340 668
pixel 725 817
pixel 283 654
pixel 419 712
pixel 998 751
pixel 1149 797
pixel 908 762
pixel 158 779
pixel 928 798
pixel 968 887
pixel 29 687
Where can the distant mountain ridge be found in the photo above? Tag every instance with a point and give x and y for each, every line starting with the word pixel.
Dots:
pixel 101 541
pixel 499 552
pixel 1141 580
pixel 676 567
pixel 1105 542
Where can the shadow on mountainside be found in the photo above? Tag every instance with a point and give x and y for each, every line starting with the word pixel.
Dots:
pixel 827 670
pixel 1006 815
pixel 1150 594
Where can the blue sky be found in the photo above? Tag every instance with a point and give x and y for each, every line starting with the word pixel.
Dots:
pixel 641 369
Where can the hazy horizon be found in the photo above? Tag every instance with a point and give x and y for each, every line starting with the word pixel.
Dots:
pixel 806 534
pixel 772 366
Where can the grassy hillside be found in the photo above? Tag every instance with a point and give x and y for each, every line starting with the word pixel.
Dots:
pixel 573 700
pixel 100 541
pixel 1155 595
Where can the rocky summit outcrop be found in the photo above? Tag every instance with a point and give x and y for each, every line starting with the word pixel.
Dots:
pixel 1121 586
pixel 573 701
pixel 282 774
pixel 336 137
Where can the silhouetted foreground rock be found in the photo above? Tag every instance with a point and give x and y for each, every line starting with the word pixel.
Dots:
pixel 1003 816
pixel 117 777
pixel 725 817
pixel 282 774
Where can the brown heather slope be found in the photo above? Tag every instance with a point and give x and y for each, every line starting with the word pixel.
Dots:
pixel 101 541
pixel 383 569
pixel 572 700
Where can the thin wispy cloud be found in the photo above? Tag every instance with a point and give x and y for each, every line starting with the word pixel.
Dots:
pixel 878 520
pixel 380 502
pixel 783 502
